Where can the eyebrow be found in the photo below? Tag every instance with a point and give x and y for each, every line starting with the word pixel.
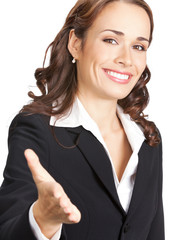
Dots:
pixel 122 34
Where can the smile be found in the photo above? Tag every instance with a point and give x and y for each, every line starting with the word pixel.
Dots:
pixel 117 76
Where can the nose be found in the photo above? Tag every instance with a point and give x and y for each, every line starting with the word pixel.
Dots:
pixel 124 57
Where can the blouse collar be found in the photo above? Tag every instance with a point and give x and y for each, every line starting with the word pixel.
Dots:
pixel 78 116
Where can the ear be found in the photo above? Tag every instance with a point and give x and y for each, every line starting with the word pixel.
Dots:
pixel 74 44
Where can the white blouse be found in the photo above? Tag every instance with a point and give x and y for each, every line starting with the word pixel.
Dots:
pixel 78 116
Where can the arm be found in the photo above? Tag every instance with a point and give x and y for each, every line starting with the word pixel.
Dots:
pixel 157 227
pixel 18 190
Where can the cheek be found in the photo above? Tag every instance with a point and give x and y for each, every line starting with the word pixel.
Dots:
pixel 96 51
pixel 140 64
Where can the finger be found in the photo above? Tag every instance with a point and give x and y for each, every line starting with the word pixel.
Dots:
pixel 75 215
pixel 71 211
pixel 38 172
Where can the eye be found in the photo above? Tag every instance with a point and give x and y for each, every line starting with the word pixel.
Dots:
pixel 112 41
pixel 139 48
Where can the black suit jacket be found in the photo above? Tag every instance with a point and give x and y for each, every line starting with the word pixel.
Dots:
pixel 85 173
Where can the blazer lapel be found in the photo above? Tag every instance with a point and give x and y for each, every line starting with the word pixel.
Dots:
pixel 96 156
pixel 142 177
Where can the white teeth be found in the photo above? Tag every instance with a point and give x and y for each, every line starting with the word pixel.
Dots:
pixel 118 75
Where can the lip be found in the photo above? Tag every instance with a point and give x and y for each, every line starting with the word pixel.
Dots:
pixel 118 80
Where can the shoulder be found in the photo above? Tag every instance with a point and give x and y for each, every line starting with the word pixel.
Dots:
pixel 29 131
pixel 26 118
pixel 27 124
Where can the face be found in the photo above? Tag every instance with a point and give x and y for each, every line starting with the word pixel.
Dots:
pixel 114 54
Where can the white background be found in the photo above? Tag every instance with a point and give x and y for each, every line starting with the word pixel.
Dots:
pixel 27 28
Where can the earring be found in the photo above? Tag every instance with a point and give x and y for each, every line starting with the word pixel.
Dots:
pixel 73 60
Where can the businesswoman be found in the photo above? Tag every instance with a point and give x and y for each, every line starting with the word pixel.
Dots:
pixel 84 163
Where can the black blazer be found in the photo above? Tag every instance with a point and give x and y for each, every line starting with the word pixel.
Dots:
pixel 85 173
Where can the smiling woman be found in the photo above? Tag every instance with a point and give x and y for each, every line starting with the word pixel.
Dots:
pixel 83 161
pixel 101 60
pixel 129 37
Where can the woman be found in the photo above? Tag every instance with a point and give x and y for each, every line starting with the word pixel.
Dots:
pixel 100 169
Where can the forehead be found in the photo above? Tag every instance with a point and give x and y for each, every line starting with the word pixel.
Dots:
pixel 128 18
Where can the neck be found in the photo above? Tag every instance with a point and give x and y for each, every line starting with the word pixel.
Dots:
pixel 102 111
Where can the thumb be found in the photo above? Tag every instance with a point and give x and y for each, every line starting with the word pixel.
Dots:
pixel 38 171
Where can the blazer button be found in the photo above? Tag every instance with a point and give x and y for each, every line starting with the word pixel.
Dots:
pixel 126 228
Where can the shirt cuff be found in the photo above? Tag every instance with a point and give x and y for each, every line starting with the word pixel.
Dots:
pixel 37 231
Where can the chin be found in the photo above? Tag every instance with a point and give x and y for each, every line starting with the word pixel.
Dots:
pixel 119 95
pixel 122 96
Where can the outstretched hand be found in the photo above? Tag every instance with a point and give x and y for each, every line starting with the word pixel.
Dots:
pixel 53 206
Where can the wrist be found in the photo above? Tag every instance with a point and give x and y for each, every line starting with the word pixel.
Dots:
pixel 46 225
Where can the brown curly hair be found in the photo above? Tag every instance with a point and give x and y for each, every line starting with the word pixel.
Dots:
pixel 60 79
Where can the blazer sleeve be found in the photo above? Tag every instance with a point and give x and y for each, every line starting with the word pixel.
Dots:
pixel 18 190
pixel 157 226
